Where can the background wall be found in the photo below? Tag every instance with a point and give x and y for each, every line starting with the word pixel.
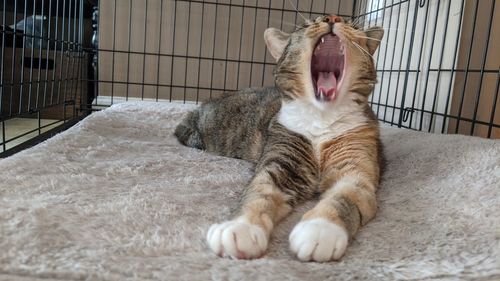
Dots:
pixel 212 47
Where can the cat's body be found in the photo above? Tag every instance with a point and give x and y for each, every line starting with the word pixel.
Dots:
pixel 313 133
pixel 243 119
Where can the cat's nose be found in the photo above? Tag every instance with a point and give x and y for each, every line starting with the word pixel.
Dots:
pixel 332 19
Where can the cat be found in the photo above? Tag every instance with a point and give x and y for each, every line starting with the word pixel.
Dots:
pixel 312 133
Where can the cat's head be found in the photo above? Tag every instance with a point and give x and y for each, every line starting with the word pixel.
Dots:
pixel 325 60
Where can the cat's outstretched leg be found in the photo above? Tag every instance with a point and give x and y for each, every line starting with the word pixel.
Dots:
pixel 324 231
pixel 247 235
pixel 350 178
pixel 286 174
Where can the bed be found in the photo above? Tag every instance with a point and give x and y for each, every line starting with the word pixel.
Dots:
pixel 116 197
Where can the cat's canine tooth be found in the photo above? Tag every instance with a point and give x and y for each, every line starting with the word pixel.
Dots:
pixel 322 39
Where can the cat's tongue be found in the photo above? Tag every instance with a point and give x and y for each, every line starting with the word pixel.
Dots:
pixel 327 85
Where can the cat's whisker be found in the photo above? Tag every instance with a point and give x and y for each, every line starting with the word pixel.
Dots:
pixel 356 22
pixel 305 19
pixel 362 49
pixel 390 28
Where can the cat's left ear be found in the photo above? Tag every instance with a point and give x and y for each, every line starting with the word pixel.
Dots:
pixel 376 33
pixel 276 41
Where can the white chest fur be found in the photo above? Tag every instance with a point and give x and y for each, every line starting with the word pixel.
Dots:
pixel 321 125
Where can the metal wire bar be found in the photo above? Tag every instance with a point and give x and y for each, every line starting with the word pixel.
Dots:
pixel 239 49
pixel 494 106
pixel 4 16
pixel 159 49
pixel 253 42
pixel 441 57
pixel 113 54
pixel 31 57
pixel 13 65
pixel 129 41
pixel 227 44
pixel 40 43
pixel 4 143
pixel 392 63
pixel 462 96
pixel 55 53
pixel 213 50
pixel 21 89
pixel 385 57
pixel 405 85
pixel 419 60
pixel 62 54
pixel 483 64
pixel 455 56
pixel 74 55
pixel 145 43
pixel 433 40
pixel 400 64
pixel 265 53
pixel 69 60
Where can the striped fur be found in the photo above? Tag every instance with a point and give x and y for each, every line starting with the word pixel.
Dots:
pixel 301 148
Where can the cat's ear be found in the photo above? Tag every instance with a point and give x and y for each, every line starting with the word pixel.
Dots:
pixel 276 41
pixel 376 33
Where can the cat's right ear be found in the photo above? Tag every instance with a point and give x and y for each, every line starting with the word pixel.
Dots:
pixel 276 41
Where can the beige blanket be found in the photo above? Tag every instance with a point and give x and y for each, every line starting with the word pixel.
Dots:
pixel 118 198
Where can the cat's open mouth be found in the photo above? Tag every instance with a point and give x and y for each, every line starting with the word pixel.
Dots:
pixel 327 67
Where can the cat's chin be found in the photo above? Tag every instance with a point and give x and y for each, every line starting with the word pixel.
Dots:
pixel 323 104
pixel 322 98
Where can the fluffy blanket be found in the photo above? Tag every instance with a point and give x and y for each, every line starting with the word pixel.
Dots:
pixel 116 197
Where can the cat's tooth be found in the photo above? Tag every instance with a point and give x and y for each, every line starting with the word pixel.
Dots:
pixel 322 39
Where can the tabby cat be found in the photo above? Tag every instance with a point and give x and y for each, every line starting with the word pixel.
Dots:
pixel 313 133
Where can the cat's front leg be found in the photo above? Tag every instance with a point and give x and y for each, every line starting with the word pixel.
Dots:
pixel 285 175
pixel 324 231
pixel 247 235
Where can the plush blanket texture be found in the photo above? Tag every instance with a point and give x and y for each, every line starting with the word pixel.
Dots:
pixel 116 197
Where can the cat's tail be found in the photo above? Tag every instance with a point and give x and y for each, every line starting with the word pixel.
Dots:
pixel 187 131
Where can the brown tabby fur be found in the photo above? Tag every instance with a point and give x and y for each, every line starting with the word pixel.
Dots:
pixel 291 167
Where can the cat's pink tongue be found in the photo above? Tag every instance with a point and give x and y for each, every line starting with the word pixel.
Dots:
pixel 327 85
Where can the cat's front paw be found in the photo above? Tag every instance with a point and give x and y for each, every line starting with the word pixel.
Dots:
pixel 237 239
pixel 318 240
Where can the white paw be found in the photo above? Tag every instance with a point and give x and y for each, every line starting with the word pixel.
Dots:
pixel 318 240
pixel 237 239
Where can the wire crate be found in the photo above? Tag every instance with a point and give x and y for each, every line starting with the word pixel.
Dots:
pixel 438 67
pixel 42 68
pixel 438 64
